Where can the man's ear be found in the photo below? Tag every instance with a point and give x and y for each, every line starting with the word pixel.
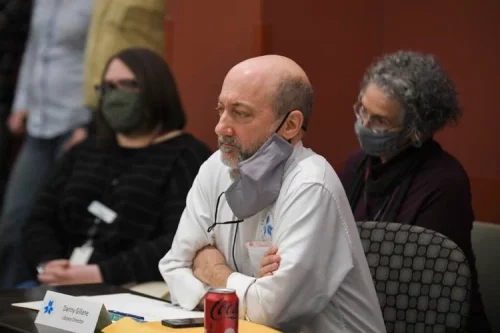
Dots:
pixel 293 125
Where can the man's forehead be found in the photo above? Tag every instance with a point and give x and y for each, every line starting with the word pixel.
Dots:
pixel 235 102
pixel 252 104
pixel 245 91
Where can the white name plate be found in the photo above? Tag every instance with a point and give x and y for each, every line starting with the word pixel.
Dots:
pixel 64 313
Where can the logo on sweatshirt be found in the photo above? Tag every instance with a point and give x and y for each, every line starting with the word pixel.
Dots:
pixel 268 227
pixel 265 228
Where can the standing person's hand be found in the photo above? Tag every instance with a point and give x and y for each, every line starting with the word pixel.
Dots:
pixel 17 121
pixel 79 134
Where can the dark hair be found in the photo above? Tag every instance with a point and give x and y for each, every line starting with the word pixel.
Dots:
pixel 423 88
pixel 157 90
pixel 293 94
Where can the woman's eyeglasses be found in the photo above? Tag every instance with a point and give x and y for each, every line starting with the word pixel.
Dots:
pixel 125 84
pixel 377 123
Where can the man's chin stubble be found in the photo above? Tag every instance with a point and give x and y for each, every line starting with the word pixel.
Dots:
pixel 234 170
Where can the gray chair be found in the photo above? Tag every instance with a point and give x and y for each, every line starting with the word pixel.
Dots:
pixel 486 246
pixel 422 278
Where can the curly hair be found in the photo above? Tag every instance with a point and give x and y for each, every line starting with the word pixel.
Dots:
pixel 426 93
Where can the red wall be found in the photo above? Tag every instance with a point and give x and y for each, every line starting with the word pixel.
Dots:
pixel 204 39
pixel 335 41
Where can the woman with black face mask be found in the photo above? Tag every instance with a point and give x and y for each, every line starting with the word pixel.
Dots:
pixel 111 209
pixel 401 174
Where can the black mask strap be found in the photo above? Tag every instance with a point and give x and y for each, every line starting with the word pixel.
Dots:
pixel 282 122
pixel 304 128
pixel 215 216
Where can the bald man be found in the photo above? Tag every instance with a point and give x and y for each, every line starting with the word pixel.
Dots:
pixel 264 185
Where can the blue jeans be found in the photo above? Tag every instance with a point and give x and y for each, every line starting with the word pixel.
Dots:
pixel 28 284
pixel 34 162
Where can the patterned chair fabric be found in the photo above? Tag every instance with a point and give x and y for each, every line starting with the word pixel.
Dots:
pixel 422 278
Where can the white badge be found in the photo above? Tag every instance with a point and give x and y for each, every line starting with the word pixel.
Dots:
pixel 81 255
pixel 64 313
pixel 102 212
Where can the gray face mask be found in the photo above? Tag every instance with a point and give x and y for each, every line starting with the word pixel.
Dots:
pixel 260 177
pixel 379 144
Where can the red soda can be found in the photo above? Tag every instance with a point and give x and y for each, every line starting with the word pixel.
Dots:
pixel 221 311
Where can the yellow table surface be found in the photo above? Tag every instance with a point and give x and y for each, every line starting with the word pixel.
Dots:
pixel 127 325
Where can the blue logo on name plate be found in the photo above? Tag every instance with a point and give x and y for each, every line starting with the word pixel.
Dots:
pixel 49 307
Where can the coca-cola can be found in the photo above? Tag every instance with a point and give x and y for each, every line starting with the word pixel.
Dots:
pixel 221 311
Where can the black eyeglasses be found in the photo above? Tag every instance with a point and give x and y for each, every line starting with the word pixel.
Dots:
pixel 125 84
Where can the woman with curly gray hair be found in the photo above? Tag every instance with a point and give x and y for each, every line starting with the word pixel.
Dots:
pixel 402 174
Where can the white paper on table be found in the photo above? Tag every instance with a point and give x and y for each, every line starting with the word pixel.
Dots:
pixel 29 305
pixel 150 309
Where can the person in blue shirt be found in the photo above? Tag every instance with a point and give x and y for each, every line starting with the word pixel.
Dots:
pixel 47 108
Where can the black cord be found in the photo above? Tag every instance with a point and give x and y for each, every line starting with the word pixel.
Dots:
pixel 234 243
pixel 227 222
pixel 215 216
